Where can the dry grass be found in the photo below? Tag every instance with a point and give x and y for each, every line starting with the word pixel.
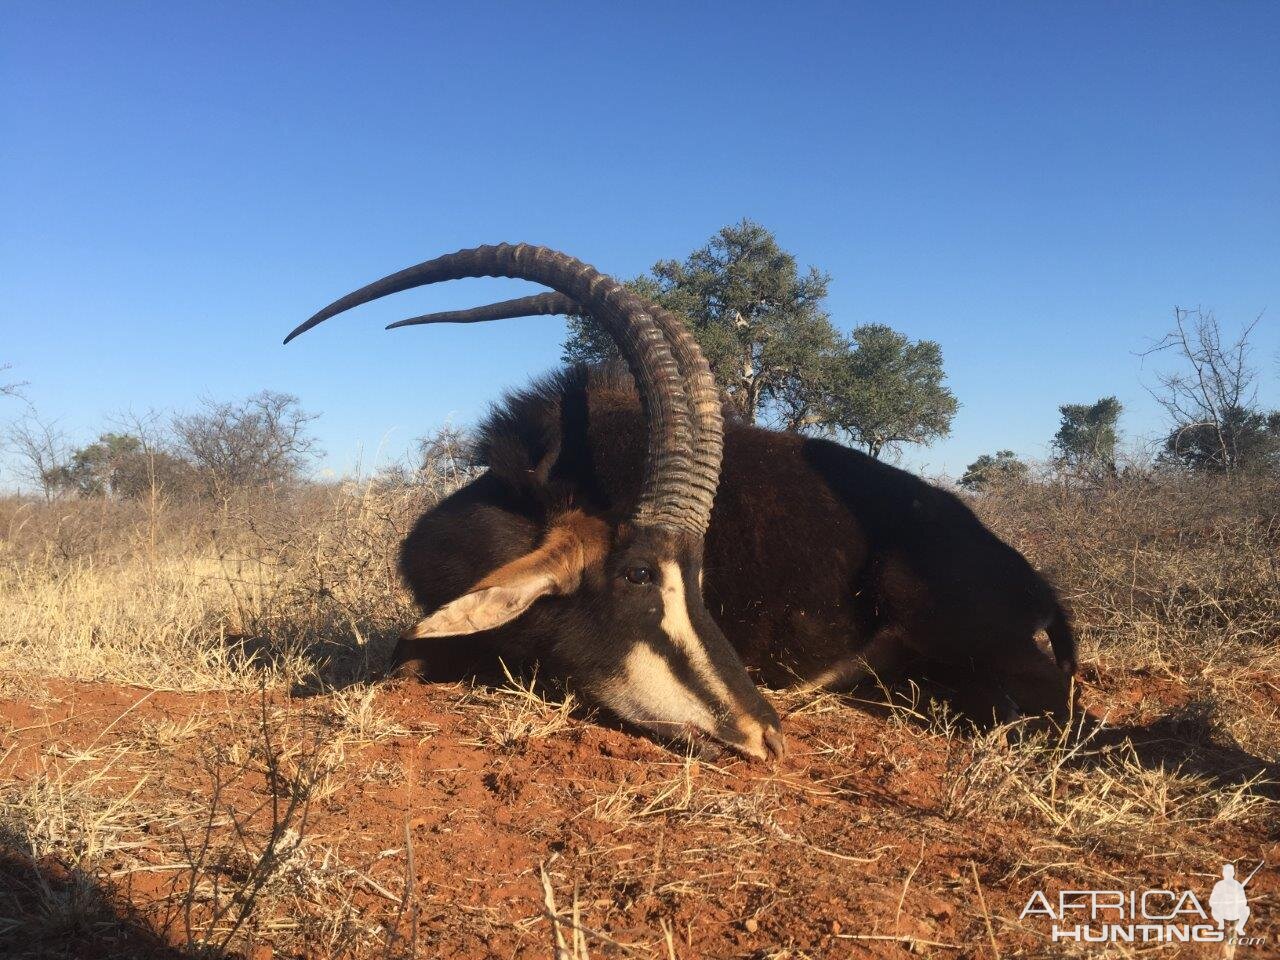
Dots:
pixel 1171 575
pixel 299 591
pixel 198 760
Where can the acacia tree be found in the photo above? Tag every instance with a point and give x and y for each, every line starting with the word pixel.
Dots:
pixel 107 466
pixel 993 470
pixel 1215 422
pixel 759 321
pixel 776 355
pixel 127 466
pixel 1086 439
pixel 1250 438
pixel 885 389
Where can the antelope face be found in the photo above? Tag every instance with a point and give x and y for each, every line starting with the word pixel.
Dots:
pixel 624 623
pixel 658 660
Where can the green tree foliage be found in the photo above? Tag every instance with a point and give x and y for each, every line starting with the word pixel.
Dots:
pixel 1241 440
pixel 884 389
pixel 123 466
pixel 1086 439
pixel 775 353
pixel 262 443
pixel 993 471
pixel 587 342
pixel 760 323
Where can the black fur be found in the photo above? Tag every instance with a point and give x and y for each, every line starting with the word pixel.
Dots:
pixel 815 552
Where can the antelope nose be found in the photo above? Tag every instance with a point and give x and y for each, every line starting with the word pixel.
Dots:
pixel 761 740
pixel 775 743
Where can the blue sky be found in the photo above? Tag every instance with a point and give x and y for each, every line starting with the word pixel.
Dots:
pixel 1033 185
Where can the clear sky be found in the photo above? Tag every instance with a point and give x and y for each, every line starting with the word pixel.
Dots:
pixel 1034 185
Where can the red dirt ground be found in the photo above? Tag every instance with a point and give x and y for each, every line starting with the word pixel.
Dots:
pixel 873 838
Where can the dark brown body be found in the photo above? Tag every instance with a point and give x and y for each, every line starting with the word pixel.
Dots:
pixel 819 562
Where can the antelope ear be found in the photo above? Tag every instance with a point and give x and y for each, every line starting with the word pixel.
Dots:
pixel 482 609
pixel 553 569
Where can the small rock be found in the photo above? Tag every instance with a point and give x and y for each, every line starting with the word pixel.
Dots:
pixel 751 924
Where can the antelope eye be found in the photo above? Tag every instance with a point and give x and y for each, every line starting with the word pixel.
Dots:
pixel 640 575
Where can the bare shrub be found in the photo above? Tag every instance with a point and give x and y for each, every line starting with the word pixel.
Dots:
pixel 229 873
pixel 317 573
pixel 439 463
pixel 13 388
pixel 260 442
pixel 1215 423
pixel 43 452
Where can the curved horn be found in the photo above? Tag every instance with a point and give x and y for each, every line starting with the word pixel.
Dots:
pixel 700 385
pixel 539 305
pixel 672 491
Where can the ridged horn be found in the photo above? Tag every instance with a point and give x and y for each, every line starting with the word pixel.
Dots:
pixel 700 386
pixel 673 489
pixel 539 305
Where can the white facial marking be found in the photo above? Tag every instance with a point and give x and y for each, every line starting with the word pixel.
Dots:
pixel 650 693
pixel 679 629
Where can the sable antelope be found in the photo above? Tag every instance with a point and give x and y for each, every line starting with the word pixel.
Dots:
pixel 591 541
